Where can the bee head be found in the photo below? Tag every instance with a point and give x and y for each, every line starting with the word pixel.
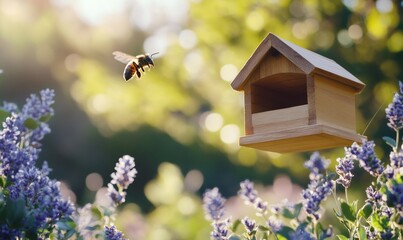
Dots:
pixel 149 58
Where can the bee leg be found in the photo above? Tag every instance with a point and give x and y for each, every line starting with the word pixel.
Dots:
pixel 138 73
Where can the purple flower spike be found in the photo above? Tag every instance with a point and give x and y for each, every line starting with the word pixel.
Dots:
pixel 213 204
pixel 317 164
pixel 111 233
pixel 343 169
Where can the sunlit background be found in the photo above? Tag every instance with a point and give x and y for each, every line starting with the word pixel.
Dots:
pixel 182 120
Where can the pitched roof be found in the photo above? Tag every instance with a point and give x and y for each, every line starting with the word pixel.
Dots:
pixel 308 61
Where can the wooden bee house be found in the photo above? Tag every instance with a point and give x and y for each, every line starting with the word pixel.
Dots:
pixel 296 100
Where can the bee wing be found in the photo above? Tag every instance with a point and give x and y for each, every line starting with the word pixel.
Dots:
pixel 124 58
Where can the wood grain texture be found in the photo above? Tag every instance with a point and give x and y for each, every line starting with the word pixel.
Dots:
pixel 335 104
pixel 301 139
pixel 248 110
pixel 280 119
pixel 275 62
pixel 310 86
pixel 251 64
pixel 278 91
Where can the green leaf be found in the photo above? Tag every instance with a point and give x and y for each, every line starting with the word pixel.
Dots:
pixel 361 233
pixel 97 213
pixel 3 115
pixel 320 231
pixel 284 233
pixel 3 181
pixel 45 118
pixel 342 237
pixel 292 213
pixel 287 213
pixel 30 123
pixel 263 228
pixel 92 228
pixel 390 141
pixel 235 225
pixel 365 211
pixel 347 211
pixel 69 233
pixel 15 212
pixel 66 224
pixel 297 209
pixel 378 222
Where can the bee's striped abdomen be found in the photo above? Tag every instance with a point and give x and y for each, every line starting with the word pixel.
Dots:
pixel 130 69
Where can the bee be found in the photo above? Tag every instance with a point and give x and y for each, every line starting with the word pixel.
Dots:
pixel 134 63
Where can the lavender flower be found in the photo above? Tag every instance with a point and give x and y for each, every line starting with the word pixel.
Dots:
pixel 249 194
pixel 275 224
pixel 365 154
pixel 368 159
pixel 301 234
pixel 44 205
pixel 220 230
pixel 37 107
pixel 7 233
pixel 10 107
pixel 9 148
pixel 125 172
pixel 343 169
pixel 394 112
pixel 117 197
pixel 213 204
pixel 396 159
pixel 373 196
pixel 371 235
pixel 250 225
pixel 111 233
pixel 122 178
pixel 42 196
pixel 318 189
pixel 317 164
pixel 394 193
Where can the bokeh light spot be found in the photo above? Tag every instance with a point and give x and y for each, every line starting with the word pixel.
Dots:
pixel 230 133
pixel 94 181
pixel 72 61
pixel 187 39
pixel 100 103
pixel 156 43
pixel 344 38
pixel 228 72
pixel 186 205
pixel 193 180
pixel 299 31
pixel 395 42
pixel 247 156
pixel 255 21
pixel 282 186
pixel 67 193
pixel 355 32
pixel 351 4
pixel 384 6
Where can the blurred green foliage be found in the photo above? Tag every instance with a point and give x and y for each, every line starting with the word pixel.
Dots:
pixel 183 111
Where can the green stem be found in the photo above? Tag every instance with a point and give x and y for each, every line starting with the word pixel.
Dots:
pixel 336 201
pixel 397 140
pixel 345 191
pixel 352 233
